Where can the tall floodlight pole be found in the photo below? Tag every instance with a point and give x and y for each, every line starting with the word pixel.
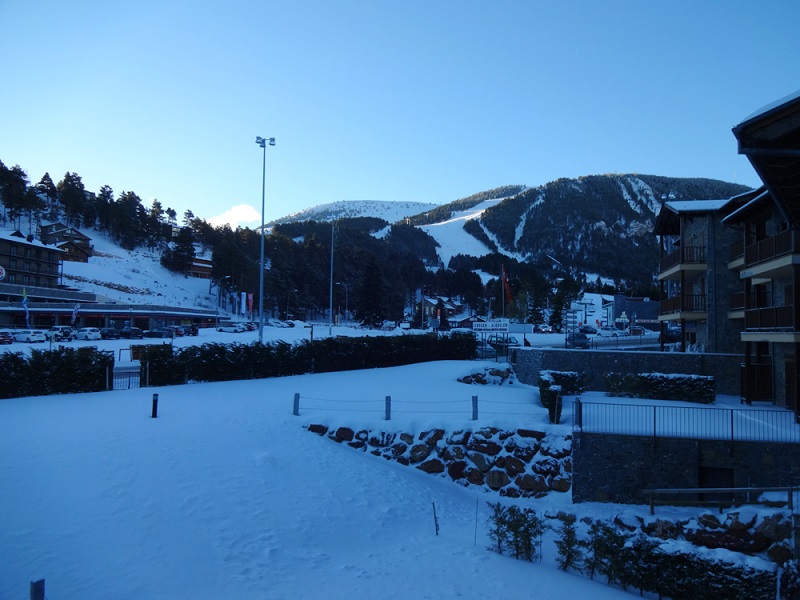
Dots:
pixel 262 142
pixel 330 328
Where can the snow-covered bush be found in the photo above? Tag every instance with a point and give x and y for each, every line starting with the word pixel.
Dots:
pixel 662 386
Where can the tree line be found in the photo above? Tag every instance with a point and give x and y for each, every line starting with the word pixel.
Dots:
pixel 376 276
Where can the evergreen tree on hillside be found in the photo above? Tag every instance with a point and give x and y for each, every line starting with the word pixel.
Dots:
pixel 128 218
pixel 369 295
pixel 73 195
pixel 179 255
pixel 14 189
pixel 47 191
pixel 104 202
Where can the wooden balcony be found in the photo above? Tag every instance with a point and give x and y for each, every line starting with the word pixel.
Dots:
pixel 695 303
pixel 773 318
pixel 736 301
pixel 736 250
pixel 693 255
pixel 782 244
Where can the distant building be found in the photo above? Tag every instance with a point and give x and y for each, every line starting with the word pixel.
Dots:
pixel 76 245
pixel 28 262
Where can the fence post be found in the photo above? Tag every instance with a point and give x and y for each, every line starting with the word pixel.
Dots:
pixel 731 424
pixel 154 414
pixel 388 415
pixel 107 388
pixel 474 408
pixel 577 413
pixel 296 407
pixel 37 590
pixel 655 426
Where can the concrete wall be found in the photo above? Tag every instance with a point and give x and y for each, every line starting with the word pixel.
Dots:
pixel 527 363
pixel 616 468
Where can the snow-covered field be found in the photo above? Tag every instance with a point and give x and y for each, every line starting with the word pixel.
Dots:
pixel 226 495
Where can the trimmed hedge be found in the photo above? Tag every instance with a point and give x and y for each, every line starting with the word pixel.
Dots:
pixel 649 565
pixel 227 362
pixel 554 384
pixel 71 370
pixel 59 371
pixel 660 386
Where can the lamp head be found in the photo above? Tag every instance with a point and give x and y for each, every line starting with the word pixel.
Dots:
pixel 261 141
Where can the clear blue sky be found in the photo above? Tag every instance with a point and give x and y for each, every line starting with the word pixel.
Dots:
pixel 419 100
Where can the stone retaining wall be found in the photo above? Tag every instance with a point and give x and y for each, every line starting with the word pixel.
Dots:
pixel 520 463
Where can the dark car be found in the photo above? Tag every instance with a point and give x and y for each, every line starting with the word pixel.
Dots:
pixel 177 330
pixel 587 329
pixel 190 329
pixel 133 333
pixel 160 332
pixel 109 333
pixel 6 337
pixel 577 340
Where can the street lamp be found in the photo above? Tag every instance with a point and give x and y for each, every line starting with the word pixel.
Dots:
pixel 346 287
pixel 288 294
pixel 262 142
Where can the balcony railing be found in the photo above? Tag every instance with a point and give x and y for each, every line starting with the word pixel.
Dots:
pixel 736 301
pixel 771 318
pixel 736 250
pixel 684 303
pixel 785 242
pixel 685 255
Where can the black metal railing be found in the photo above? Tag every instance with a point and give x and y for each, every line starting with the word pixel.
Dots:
pixel 660 421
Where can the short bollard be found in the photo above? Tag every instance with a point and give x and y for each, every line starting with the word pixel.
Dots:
pixel 154 414
pixel 388 409
pixel 474 408
pixel 296 406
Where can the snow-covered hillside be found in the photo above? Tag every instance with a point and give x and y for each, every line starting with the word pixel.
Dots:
pixel 135 277
pixel 348 209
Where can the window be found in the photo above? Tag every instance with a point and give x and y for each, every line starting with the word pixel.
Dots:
pixel 13 249
pixel 12 264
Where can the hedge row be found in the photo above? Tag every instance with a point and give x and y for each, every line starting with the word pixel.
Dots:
pixel 660 386
pixel 553 385
pixel 59 371
pixel 643 563
pixel 226 362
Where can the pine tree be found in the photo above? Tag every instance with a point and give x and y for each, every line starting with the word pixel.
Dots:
pixel 570 550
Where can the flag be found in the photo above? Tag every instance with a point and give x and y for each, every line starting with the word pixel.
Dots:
pixel 25 306
pixel 506 287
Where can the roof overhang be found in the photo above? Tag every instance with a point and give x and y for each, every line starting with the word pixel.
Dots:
pixel 770 139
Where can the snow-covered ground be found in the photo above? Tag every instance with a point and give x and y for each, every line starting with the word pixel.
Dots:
pixel 226 495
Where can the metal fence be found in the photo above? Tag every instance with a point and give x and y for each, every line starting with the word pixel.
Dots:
pixel 752 425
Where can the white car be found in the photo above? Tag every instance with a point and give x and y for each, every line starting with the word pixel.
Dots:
pixel 88 333
pixel 232 328
pixel 29 335
pixel 608 331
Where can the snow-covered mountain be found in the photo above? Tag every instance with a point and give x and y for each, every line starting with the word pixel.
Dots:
pixel 349 209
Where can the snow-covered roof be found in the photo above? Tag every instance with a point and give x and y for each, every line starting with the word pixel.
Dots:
pixel 700 206
pixel 772 106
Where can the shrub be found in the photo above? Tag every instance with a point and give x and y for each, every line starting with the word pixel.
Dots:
pixel 518 531
pixel 660 386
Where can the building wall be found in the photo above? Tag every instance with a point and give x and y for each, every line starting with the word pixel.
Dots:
pixel 616 468
pixel 527 363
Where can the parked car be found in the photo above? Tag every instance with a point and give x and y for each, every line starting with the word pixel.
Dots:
pixel 232 328
pixel 88 333
pixel 160 332
pixel 671 335
pixel 542 328
pixel 177 330
pixel 29 335
pixel 638 330
pixel 131 333
pixel 609 331
pixel 587 329
pixel 6 337
pixel 60 333
pixel 190 329
pixel 577 340
pixel 502 340
pixel 109 333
